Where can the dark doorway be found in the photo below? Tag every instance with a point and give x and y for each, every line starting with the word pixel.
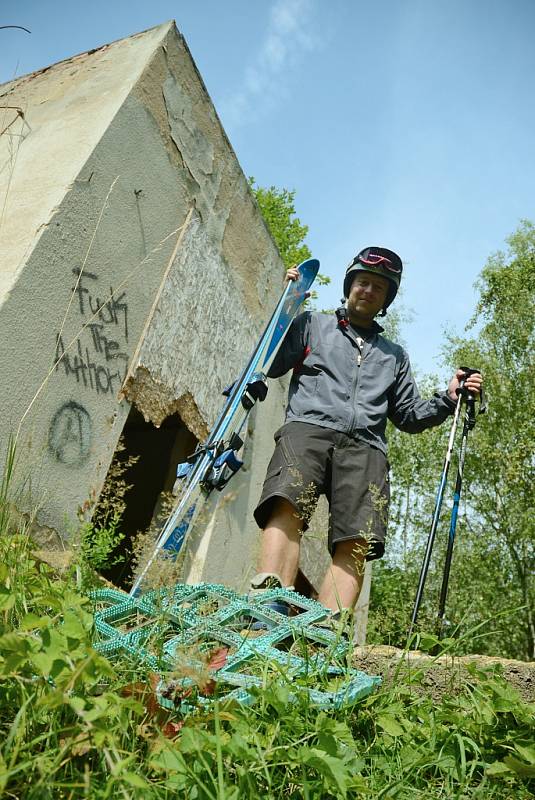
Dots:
pixel 159 450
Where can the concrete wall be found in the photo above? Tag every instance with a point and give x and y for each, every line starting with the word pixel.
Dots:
pixel 66 109
pixel 96 213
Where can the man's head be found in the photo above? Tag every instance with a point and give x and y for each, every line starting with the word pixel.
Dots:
pixel 377 262
pixel 366 297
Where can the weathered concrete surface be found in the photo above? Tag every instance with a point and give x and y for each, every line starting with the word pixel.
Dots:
pixel 67 109
pixel 197 340
pixel 120 149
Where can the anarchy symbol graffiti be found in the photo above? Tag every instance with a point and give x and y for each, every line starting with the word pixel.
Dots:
pixel 70 433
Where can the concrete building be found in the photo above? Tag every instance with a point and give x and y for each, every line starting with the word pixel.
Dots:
pixel 136 272
pixel 135 265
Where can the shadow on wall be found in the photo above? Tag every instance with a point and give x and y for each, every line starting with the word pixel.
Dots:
pixel 158 451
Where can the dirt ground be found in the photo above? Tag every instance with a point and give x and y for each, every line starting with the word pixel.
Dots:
pixel 442 675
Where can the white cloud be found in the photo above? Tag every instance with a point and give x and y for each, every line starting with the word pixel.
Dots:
pixel 287 40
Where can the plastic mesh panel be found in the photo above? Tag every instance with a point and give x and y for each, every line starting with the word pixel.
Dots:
pixel 163 630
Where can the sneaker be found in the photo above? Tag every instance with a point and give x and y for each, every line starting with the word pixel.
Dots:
pixel 266 580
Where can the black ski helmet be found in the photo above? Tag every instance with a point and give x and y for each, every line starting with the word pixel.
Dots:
pixel 379 261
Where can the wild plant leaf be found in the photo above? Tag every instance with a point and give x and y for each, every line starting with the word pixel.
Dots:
pixel 54 642
pixel 168 758
pixel 135 780
pixel 428 641
pixel 72 626
pixel 60 670
pixel 527 752
pixel 218 658
pixel 99 709
pixel 503 705
pixel 446 763
pixel 339 729
pixel 239 747
pixel 14 643
pixel 193 740
pixel 328 743
pixel 7 598
pixel 524 770
pixel 497 768
pixel 97 668
pixel 390 725
pixel 77 703
pixel 280 695
pixel 43 662
pixel 332 768
pixel 32 621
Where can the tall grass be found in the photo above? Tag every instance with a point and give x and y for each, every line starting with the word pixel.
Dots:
pixel 73 725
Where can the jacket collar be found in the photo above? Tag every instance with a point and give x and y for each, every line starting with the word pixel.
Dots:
pixel 343 321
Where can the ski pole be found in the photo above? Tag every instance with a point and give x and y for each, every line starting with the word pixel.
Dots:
pixel 436 513
pixel 469 423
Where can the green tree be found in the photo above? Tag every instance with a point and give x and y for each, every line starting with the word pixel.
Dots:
pixel 493 563
pixel 278 210
pixel 501 497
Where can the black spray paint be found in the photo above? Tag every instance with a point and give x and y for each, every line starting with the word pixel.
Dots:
pixel 70 434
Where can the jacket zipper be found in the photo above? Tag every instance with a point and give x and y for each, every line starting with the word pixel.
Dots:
pixel 355 384
pixel 354 390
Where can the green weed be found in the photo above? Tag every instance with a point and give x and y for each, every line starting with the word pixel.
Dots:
pixel 72 725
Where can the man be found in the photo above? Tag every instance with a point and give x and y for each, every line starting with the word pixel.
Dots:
pixel 347 381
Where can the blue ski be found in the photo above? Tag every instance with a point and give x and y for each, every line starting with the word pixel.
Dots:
pixel 216 461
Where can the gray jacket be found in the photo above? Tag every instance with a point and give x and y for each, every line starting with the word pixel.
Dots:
pixel 353 389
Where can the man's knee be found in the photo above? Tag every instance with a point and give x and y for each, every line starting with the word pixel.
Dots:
pixel 284 512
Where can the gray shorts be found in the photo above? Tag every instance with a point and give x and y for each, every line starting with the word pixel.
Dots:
pixel 310 460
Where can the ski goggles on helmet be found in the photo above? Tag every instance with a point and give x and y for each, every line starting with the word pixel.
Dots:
pixel 380 261
pixel 373 257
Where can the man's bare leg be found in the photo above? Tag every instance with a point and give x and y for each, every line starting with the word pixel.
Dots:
pixel 280 542
pixel 343 580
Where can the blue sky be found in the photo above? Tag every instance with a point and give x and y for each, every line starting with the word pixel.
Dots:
pixel 403 123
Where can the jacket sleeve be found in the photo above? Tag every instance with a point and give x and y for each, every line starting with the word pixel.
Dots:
pixel 293 347
pixel 408 411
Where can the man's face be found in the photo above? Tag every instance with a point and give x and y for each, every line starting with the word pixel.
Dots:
pixel 367 297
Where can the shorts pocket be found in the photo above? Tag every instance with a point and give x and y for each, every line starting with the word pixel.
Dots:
pixel 287 450
pixel 274 472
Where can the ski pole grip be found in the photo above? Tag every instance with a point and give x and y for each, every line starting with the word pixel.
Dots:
pixel 467 372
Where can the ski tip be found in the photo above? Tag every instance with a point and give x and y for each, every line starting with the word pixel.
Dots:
pixel 309 268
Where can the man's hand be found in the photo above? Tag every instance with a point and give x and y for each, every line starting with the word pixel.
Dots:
pixel 473 383
pixel 292 274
